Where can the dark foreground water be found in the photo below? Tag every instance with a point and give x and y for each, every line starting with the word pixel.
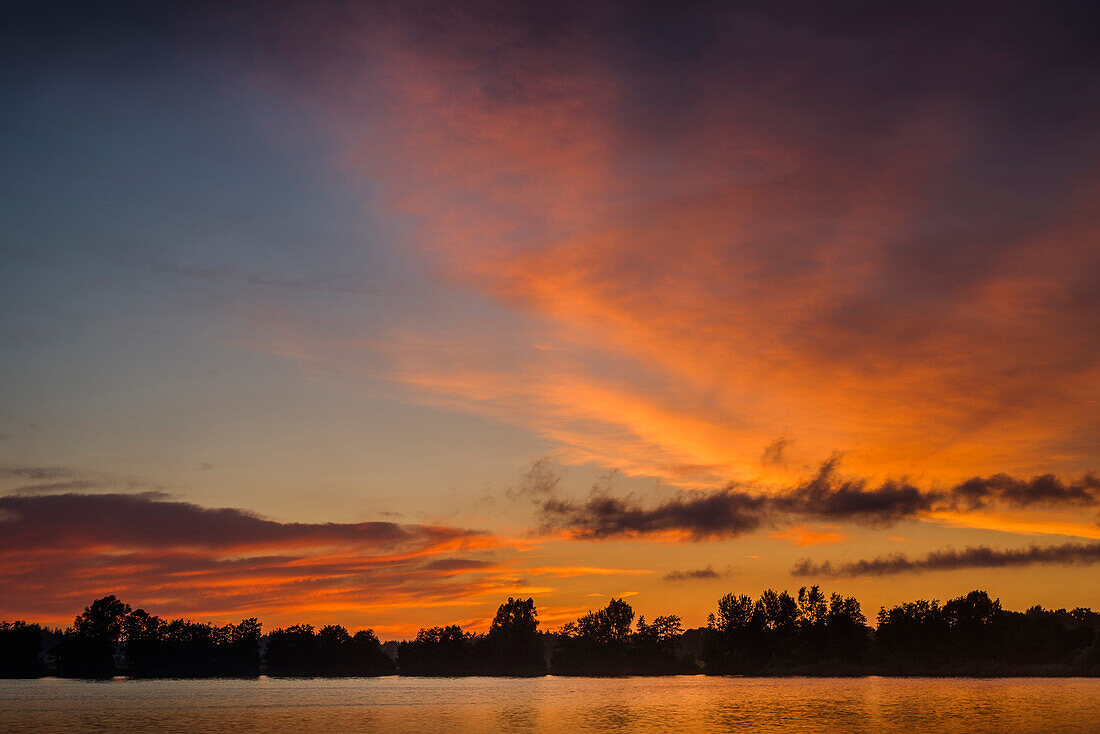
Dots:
pixel 687 703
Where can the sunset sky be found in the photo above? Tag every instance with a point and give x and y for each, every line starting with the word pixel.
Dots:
pixel 382 313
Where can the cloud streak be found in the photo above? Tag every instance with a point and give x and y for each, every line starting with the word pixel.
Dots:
pixel 698 574
pixel 954 560
pixel 149 521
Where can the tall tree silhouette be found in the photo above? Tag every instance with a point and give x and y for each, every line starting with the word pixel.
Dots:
pixel 88 647
pixel 513 645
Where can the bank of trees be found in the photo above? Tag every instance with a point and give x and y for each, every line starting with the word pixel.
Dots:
pixel 780 632
pixel 972 634
pixel 777 633
pixel 109 638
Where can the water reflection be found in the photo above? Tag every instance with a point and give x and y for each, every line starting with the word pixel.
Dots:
pixel 688 704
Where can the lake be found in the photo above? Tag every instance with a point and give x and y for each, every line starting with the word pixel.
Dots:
pixel 552 704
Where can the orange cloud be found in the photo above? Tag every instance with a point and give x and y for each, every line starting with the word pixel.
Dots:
pixel 1019 525
pixel 698 276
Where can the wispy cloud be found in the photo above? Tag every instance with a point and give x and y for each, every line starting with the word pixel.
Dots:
pixel 57 479
pixel 711 266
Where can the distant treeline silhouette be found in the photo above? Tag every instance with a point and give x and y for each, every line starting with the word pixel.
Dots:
pixel 775 634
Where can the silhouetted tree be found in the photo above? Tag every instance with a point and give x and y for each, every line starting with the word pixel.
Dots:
pixel 367 656
pixel 144 644
pixel 914 631
pixel 975 624
pixel 602 643
pixel 183 649
pixel 438 651
pixel 513 645
pixel 813 612
pixel 341 654
pixel 330 652
pixel 595 644
pixel 238 652
pixel 846 629
pixel 779 616
pixel 778 632
pixel 88 647
pixel 965 631
pixel 653 647
pixel 734 635
pixel 20 645
pixel 293 651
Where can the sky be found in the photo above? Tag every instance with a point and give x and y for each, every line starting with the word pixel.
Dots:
pixel 382 313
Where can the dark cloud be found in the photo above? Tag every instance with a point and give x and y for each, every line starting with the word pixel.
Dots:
pixel 950 559
pixel 58 551
pixel 730 512
pixel 697 574
pixel 1041 490
pixel 826 497
pixel 146 520
pixel 724 513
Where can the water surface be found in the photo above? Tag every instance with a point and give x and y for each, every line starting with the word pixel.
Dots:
pixel 553 704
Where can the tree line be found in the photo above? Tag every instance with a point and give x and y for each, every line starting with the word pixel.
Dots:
pixel 777 633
